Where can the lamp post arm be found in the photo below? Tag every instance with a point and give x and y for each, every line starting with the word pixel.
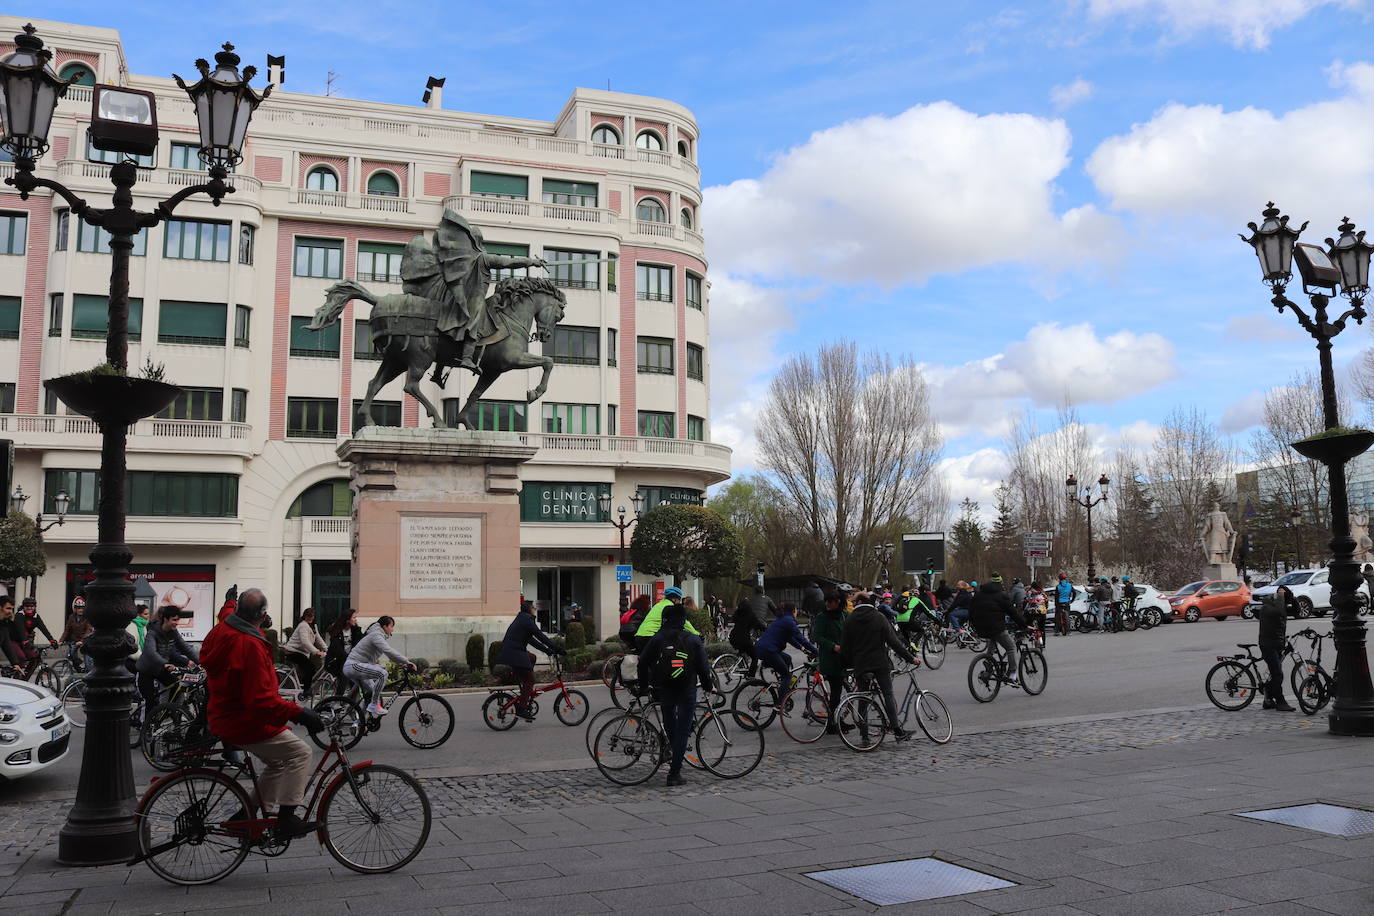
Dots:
pixel 26 183
pixel 216 189
pixel 1356 311
pixel 1282 302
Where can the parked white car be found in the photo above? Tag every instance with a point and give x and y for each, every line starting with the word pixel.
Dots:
pixel 1148 598
pixel 33 730
pixel 1311 588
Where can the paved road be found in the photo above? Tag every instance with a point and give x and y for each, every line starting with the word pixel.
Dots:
pixel 1091 676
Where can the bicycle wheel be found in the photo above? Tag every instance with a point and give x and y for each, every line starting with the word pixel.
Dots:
pixel 1147 618
pixel 861 721
pixel 74 702
pixel 46 677
pixel 1230 685
pixel 1130 620
pixel 983 679
pixel 1314 692
pixel 933 716
pixel 932 650
pixel 595 723
pixel 755 699
pixel 629 749
pixel 377 821
pixel 609 669
pixel 426 720
pixel 164 730
pixel 350 718
pixel 725 668
pixel 804 715
pixel 64 670
pixel 1034 671
pixel 498 711
pixel 324 685
pixel 179 827
pixel 1301 672
pixel 728 744
pixel 571 707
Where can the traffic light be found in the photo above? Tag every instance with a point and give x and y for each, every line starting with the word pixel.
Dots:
pixel 1244 548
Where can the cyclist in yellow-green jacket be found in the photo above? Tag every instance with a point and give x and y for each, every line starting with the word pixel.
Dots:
pixel 653 620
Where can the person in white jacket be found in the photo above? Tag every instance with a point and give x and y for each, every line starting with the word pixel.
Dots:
pixel 362 666
pixel 304 646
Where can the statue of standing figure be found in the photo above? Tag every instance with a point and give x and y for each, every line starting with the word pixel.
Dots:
pixel 1359 531
pixel 1218 537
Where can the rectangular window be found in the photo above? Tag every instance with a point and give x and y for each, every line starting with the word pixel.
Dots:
pixel 612 419
pixel 573 269
pixel 386 413
pixel 319 258
pixel 91 317
pixel 55 315
pixel 573 419
pixel 656 423
pixel 247 238
pixel 238 405
pixel 696 362
pixel 7 397
pixel 513 251
pixel 195 404
pixel 612 335
pixel 312 418
pixel 199 323
pixel 692 291
pixel 655 496
pixel 612 268
pixel 362 341
pixel 378 263
pixel 570 193
pixel 81 487
pixel 183 495
pixel 243 325
pixel 14 231
pixel 63 225
pixel 496 416
pixel 9 321
pixel 186 156
pixel 491 184
pixel 50 402
pixel 100 155
pixel 557 501
pixel 575 346
pixel 323 343
pixel 655 355
pixel 196 240
pixel 97 241
pixel 653 283
pixel 696 428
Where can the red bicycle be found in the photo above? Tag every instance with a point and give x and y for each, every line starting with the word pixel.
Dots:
pixel 198 824
pixel 499 709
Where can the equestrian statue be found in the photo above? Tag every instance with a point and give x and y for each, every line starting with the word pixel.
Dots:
pixel 443 317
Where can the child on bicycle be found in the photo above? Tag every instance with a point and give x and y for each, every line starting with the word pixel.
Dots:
pixel 361 665
pixel 1036 605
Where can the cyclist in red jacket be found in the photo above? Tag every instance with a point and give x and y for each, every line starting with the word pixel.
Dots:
pixel 246 710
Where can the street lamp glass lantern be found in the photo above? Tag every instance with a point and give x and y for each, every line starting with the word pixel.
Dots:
pixel 603 502
pixel 1104 483
pixel 62 502
pixel 1351 254
pixel 224 105
pixel 1273 242
pixel 17 499
pixel 29 90
pixel 1071 486
pixel 638 500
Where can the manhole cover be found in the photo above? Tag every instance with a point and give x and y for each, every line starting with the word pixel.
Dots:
pixel 1336 820
pixel 908 880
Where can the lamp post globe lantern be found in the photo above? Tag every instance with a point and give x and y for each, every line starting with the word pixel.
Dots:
pixel 17 499
pixel 1273 241
pixel 1351 253
pixel 1104 482
pixel 62 502
pixel 29 90
pixel 224 104
pixel 1071 486
pixel 603 502
pixel 638 501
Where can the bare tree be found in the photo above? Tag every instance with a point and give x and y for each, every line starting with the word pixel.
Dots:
pixel 850 440
pixel 1188 464
pixel 1292 412
pixel 1041 460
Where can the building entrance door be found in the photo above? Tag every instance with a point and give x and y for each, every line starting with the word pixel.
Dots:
pixel 556 589
pixel 329 591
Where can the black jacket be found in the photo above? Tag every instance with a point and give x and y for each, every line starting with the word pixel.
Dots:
pixel 747 623
pixel 340 644
pixel 813 601
pixel 1273 620
pixel 697 665
pixel 866 637
pixel 990 608
pixel 524 629
pixel 162 648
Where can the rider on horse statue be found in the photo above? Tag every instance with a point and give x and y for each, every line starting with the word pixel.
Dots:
pixel 454 271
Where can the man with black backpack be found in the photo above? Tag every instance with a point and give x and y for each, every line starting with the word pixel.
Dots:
pixel 675 662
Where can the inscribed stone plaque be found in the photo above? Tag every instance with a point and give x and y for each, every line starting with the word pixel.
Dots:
pixel 441 557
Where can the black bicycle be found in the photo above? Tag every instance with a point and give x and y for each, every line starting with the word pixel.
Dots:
pixel 988 670
pixel 425 719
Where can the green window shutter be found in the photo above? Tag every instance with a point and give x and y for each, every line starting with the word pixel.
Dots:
pixel 514 251
pixel 9 317
pixel 192 322
pixel 581 188
pixel 343 498
pixel 381 248
pixel 91 317
pixel 504 185
pixel 305 342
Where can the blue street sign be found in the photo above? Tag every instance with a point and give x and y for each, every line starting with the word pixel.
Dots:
pixel 624 573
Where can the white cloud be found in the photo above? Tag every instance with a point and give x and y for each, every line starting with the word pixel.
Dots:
pixel 1069 94
pixel 935 189
pixel 1242 414
pixel 1248 23
pixel 975 476
pixel 1262 326
pixel 1204 161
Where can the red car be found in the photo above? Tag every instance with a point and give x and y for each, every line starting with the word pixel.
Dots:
pixel 1219 598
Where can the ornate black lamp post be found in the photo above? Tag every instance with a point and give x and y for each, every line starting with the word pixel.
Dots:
pixel 882 553
pixel 1344 263
pixel 604 501
pixel 100 826
pixel 60 502
pixel 1295 522
pixel 1087 499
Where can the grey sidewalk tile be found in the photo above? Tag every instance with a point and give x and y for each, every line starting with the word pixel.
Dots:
pixel 747 846
pixel 481 861
pixel 805 858
pixel 1061 891
pixel 1140 878
pixel 1344 903
pixel 480 827
pixel 510 871
pixel 568 905
pixel 1361 869
pixel 1286 884
pixel 387 904
pixel 657 896
pixel 1175 901
pixel 574 864
pixel 956 907
pixel 1284 908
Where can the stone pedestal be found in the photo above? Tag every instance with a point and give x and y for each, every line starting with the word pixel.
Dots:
pixel 436 533
pixel 1220 571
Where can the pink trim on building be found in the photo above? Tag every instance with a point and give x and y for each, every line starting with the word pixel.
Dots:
pixel 613 200
pixel 33 305
pixel 337 163
pixel 629 257
pixel 61 146
pixel 398 169
pixel 662 197
pixel 660 127
pixel 438 184
pixel 410 412
pixel 626 362
pixel 62 58
pixel 267 168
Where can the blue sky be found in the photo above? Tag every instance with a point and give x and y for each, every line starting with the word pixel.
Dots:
pixel 1038 200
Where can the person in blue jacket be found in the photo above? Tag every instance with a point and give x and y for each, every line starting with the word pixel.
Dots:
pixel 1063 597
pixel 781 633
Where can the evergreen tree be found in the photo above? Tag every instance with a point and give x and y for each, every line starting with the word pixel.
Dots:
pixel 1004 540
pixel 968 543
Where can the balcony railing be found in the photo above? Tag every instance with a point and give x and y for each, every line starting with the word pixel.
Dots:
pixel 385 204
pixel 476 203
pixel 707 456
pixel 68 426
pixel 321 198
pixel 175 178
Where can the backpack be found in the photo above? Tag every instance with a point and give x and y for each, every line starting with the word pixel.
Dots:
pixel 628 630
pixel 672 666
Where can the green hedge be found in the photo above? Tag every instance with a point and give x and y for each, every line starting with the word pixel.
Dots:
pixel 575 636
pixel 476 651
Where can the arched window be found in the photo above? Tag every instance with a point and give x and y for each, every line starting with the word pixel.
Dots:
pixel 684 149
pixel 686 218
pixel 322 178
pixel 649 139
pixel 326 498
pixel 651 211
pixel 383 184
pixel 80 74
pixel 605 133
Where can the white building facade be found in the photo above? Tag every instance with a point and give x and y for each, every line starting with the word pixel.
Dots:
pixel 238 482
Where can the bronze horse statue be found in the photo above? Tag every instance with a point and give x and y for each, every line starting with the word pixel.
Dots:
pixel 405 333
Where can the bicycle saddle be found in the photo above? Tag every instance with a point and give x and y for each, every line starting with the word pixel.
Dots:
pixel 1246 645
